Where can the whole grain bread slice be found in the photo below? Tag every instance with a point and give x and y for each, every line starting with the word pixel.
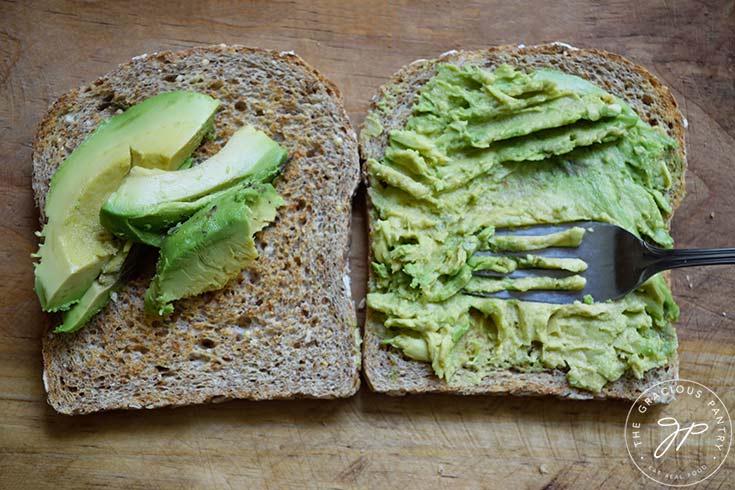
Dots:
pixel 387 370
pixel 286 327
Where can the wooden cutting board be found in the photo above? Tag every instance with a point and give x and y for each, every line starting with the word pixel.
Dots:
pixel 370 440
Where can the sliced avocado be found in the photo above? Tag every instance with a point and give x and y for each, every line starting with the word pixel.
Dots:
pixel 98 294
pixel 212 246
pixel 187 164
pixel 159 132
pixel 150 201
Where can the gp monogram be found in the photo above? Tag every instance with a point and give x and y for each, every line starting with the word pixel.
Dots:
pixel 682 443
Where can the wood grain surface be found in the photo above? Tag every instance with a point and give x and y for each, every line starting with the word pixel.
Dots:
pixel 369 441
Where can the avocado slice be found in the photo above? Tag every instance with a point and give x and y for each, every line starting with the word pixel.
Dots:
pixel 150 201
pixel 159 132
pixel 212 246
pixel 98 294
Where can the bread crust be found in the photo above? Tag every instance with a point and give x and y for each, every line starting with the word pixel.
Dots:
pixel 387 370
pixel 286 327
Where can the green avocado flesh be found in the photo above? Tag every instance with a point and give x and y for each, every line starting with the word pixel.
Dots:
pixel 150 201
pixel 212 246
pixel 97 296
pixel 484 150
pixel 159 132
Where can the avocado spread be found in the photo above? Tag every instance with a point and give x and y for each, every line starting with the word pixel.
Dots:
pixel 484 150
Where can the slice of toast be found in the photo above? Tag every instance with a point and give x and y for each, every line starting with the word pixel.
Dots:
pixel 286 327
pixel 386 369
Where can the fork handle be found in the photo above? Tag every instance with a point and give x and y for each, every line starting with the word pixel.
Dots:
pixel 661 259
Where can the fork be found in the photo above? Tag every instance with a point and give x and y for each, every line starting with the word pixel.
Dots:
pixel 618 262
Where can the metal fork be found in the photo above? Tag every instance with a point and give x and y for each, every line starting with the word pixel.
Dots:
pixel 618 262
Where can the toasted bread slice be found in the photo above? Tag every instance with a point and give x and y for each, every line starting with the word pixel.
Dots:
pixel 386 369
pixel 286 327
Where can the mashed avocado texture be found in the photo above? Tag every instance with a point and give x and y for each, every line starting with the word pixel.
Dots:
pixel 484 150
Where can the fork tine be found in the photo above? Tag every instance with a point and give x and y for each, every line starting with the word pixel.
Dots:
pixel 548 296
pixel 549 252
pixel 491 274
pixel 542 229
pixel 519 273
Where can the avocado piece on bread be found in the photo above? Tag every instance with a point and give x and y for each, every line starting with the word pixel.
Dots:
pixel 212 246
pixel 150 201
pixel 160 132
pixel 98 294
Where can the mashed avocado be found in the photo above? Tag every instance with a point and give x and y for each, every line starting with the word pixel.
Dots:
pixel 484 150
